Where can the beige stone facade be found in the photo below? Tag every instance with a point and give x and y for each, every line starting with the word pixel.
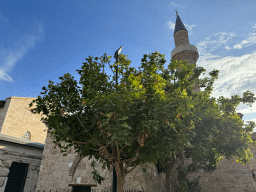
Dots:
pixel 60 173
pixel 16 119
pixel 21 140
pixel 228 177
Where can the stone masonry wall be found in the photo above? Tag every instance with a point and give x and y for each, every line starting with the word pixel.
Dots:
pixel 181 38
pixel 228 177
pixel 54 171
pixel 19 119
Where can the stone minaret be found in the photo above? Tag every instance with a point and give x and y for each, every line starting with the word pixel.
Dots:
pixel 183 50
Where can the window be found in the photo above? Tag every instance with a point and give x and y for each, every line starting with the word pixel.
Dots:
pixel 27 136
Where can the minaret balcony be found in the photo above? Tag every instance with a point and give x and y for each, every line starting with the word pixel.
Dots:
pixel 186 47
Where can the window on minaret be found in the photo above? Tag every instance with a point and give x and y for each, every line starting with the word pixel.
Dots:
pixel 27 136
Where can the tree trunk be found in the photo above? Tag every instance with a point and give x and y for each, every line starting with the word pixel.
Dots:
pixel 120 183
pixel 120 176
pixel 167 178
pixel 168 169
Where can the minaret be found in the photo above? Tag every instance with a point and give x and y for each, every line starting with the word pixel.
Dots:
pixel 183 50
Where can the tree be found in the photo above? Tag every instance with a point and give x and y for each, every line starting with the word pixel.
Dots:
pixel 122 124
pixel 216 130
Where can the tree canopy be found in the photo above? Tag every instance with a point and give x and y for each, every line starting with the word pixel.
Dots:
pixel 145 118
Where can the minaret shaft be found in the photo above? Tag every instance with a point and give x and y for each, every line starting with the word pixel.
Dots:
pixel 181 38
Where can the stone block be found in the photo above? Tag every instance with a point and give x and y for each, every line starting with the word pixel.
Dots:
pixel 2 181
pixel 4 172
pixel 242 179
pixel 202 179
pixel 55 152
pixel 237 189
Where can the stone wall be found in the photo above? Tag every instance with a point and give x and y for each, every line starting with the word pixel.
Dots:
pixel 228 177
pixel 56 172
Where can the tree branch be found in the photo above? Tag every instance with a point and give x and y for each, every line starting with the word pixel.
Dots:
pixel 102 131
pixel 131 169
pixel 123 147
pixel 79 143
pixel 118 152
pixel 132 159
pixel 82 124
pixel 174 160
pixel 104 148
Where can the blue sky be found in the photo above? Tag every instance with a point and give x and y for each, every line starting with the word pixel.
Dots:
pixel 43 40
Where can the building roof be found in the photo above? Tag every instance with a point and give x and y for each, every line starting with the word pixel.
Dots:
pixel 21 141
pixel 179 24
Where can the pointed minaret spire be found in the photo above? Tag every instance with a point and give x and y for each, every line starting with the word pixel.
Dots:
pixel 179 24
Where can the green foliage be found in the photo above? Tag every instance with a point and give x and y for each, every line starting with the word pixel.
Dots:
pixel 96 175
pixel 152 115
pixel 145 171
pixel 185 184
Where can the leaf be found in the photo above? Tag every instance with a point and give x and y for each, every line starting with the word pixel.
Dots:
pixel 137 95
pixel 135 83
pixel 123 118
pixel 94 141
pixel 109 114
pixel 125 125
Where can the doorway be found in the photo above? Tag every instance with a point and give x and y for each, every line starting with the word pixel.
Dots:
pixel 16 177
pixel 81 189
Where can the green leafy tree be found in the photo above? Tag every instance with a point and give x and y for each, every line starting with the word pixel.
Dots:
pixel 106 121
pixel 123 123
